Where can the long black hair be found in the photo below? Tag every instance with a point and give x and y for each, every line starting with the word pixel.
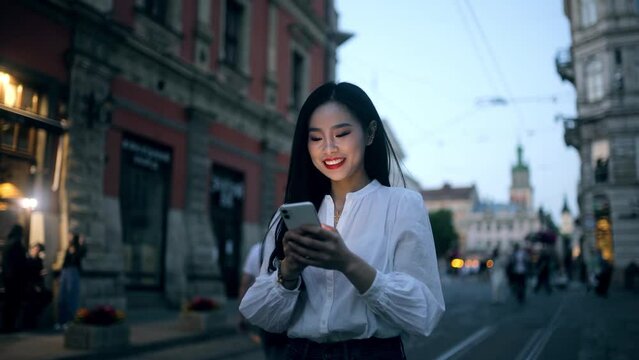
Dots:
pixel 305 182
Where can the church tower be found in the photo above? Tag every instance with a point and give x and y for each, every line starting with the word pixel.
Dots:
pixel 520 190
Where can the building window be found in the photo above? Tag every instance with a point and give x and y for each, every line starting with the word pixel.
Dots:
pixel 637 156
pixel 15 94
pixel 617 80
pixel 588 12
pixel 297 80
pixel 232 33
pixel 600 154
pixel 156 10
pixel 17 138
pixel 594 80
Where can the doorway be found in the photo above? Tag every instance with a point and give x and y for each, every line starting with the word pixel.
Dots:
pixel 144 194
pixel 227 205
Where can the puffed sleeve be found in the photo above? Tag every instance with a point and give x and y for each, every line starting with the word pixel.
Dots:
pixel 267 303
pixel 410 295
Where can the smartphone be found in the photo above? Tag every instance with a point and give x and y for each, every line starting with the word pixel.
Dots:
pixel 298 214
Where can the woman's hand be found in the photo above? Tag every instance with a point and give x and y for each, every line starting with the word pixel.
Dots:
pixel 324 247
pixel 317 246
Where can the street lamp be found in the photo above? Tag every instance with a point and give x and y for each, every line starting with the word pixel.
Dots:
pixel 29 203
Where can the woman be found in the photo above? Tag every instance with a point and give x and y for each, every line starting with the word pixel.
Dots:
pixel 349 288
pixel 70 279
pixel 37 295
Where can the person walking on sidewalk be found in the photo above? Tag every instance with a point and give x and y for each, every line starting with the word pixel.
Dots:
pixel 273 344
pixel 37 296
pixel 518 267
pixel 544 264
pixel 14 264
pixel 498 277
pixel 69 295
pixel 349 288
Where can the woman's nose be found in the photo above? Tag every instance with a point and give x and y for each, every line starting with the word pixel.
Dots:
pixel 330 145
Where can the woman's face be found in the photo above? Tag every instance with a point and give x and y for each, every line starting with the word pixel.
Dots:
pixel 33 251
pixel 336 143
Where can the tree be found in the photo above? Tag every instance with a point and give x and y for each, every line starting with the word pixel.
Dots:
pixel 443 230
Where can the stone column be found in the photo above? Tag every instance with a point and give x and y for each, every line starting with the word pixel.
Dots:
pixel 83 205
pixel 203 273
pixel 267 184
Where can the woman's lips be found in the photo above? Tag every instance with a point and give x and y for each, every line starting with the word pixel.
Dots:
pixel 334 163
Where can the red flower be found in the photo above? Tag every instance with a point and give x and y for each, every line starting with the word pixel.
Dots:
pixel 202 304
pixel 102 315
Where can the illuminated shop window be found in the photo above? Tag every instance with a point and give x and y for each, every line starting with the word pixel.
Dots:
pixel 17 137
pixel 14 94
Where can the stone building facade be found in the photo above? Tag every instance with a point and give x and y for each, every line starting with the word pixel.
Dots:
pixel 602 63
pixel 495 225
pixel 461 201
pixel 161 132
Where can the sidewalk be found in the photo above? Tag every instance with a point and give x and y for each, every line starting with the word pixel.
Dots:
pixel 151 331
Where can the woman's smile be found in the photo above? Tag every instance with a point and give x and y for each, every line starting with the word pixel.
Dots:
pixel 334 163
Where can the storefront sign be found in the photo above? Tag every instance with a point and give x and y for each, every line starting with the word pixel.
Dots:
pixel 229 190
pixel 146 156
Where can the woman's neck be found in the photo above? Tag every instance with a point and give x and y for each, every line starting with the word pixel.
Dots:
pixel 339 189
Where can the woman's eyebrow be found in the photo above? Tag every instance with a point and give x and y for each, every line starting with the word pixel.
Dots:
pixel 338 126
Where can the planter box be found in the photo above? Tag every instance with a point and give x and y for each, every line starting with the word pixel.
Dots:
pixel 200 320
pixel 93 337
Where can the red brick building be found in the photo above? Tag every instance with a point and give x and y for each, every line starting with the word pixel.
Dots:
pixel 160 129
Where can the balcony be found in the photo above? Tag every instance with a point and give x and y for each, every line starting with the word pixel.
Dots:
pixel 571 132
pixel 565 66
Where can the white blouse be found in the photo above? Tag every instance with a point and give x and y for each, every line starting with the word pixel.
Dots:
pixel 387 227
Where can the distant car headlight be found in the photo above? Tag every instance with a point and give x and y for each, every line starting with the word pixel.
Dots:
pixel 457 263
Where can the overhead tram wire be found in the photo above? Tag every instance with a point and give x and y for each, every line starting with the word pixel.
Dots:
pixel 411 121
pixel 492 56
pixel 489 75
pixel 417 79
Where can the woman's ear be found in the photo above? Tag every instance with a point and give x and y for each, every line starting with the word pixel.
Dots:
pixel 372 129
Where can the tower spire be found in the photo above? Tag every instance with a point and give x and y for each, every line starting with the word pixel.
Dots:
pixel 520 152
pixel 565 208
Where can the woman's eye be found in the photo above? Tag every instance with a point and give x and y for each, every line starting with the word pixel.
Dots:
pixel 343 134
pixel 312 138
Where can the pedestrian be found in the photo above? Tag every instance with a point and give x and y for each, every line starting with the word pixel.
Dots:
pixel 14 263
pixel 544 263
pixel 36 294
pixel 350 287
pixel 498 277
pixel 604 276
pixel 518 267
pixel 273 344
pixel 69 294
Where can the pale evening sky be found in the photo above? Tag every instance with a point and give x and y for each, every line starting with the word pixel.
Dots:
pixel 427 64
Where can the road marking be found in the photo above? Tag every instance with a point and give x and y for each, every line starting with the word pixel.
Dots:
pixel 531 343
pixel 469 342
pixel 538 342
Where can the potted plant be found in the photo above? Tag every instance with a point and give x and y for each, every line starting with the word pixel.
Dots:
pixel 198 314
pixel 101 327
